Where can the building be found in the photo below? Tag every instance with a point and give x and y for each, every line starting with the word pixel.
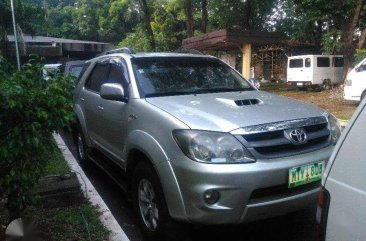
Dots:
pixel 56 50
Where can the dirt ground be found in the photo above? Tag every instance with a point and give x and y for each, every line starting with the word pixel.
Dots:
pixel 330 100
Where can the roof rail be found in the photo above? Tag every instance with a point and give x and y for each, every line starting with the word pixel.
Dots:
pixel 188 51
pixel 124 50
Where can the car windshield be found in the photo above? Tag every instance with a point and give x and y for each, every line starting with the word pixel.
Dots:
pixel 165 76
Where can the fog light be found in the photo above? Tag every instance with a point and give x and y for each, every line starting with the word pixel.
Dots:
pixel 211 197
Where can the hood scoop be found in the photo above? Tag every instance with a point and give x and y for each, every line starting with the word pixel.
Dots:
pixel 247 102
pixel 240 102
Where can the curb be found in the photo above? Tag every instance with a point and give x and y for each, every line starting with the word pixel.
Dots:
pixel 89 191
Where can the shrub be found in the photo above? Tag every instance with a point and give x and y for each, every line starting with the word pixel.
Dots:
pixel 31 109
pixel 360 55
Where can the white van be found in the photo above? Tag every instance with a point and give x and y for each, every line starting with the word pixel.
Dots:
pixel 342 202
pixel 355 85
pixel 312 70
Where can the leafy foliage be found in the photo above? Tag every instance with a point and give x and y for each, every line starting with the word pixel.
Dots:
pixel 31 108
pixel 360 55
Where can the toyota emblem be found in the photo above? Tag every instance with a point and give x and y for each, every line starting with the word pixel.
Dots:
pixel 296 136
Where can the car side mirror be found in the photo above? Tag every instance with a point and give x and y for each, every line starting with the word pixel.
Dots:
pixel 112 91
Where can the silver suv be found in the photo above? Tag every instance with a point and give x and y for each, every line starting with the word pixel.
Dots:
pixel 195 142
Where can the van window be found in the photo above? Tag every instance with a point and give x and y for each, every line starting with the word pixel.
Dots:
pixel 296 63
pixel 338 62
pixel 323 62
pixel 307 62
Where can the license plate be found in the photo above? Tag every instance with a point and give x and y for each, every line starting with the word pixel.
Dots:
pixel 305 174
pixel 299 84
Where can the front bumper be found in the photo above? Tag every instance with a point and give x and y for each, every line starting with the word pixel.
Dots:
pixel 299 84
pixel 349 94
pixel 248 192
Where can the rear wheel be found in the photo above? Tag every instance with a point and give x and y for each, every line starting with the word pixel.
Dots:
pixel 150 206
pixel 81 148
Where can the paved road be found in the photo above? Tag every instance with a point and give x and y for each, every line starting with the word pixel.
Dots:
pixel 299 226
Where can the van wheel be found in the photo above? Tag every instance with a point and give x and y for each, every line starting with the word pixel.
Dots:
pixel 150 206
pixel 81 148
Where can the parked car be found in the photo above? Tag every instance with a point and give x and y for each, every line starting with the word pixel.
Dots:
pixel 194 142
pixel 50 70
pixel 312 70
pixel 74 68
pixel 355 86
pixel 342 202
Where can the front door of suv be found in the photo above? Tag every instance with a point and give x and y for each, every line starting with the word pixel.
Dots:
pixel 114 115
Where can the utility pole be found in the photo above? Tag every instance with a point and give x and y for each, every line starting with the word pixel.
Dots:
pixel 15 35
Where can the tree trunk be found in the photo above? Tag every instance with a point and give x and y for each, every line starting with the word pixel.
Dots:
pixel 189 17
pixel 348 29
pixel 361 42
pixel 204 16
pixel 147 16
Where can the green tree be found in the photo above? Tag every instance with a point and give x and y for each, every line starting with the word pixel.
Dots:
pixel 31 109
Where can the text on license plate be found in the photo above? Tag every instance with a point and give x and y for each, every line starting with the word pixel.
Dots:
pixel 305 174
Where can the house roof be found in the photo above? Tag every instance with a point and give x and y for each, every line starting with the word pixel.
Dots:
pixel 44 39
pixel 226 39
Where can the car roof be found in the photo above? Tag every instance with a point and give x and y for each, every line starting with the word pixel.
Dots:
pixel 150 55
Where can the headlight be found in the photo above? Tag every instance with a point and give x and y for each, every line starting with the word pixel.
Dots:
pixel 334 127
pixel 212 147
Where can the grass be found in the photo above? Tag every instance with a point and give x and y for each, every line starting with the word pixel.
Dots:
pixel 56 164
pixel 330 100
pixel 74 222
pixel 78 222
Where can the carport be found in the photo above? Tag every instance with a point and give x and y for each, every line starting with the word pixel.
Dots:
pixel 229 40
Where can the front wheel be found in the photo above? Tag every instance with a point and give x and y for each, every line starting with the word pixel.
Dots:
pixel 150 206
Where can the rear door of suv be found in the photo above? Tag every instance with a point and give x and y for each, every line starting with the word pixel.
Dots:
pixel 91 101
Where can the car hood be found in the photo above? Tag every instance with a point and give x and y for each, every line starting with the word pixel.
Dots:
pixel 220 112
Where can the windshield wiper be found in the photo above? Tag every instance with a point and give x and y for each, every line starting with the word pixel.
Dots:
pixel 170 93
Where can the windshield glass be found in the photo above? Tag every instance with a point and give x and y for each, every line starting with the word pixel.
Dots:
pixel 164 76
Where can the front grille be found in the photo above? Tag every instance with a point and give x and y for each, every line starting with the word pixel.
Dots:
pixel 272 144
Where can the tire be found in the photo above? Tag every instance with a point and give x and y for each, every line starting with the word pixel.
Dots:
pixel 150 207
pixel 82 148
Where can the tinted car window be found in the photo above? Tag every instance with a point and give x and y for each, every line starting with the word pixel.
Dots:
pixel 85 67
pixel 338 62
pixel 296 63
pixel 97 77
pixel 323 62
pixel 117 75
pixel 161 76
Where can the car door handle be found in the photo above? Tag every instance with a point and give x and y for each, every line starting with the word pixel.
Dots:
pixel 100 108
pixel 82 99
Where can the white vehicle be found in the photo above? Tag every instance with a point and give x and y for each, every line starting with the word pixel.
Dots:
pixel 342 202
pixel 355 85
pixel 311 70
